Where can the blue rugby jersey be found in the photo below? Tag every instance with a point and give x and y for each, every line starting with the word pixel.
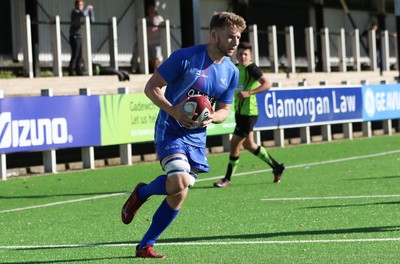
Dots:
pixel 191 71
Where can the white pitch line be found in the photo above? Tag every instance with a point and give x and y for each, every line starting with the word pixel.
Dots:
pixel 62 202
pixel 347 159
pixel 206 179
pixel 308 164
pixel 360 240
pixel 330 197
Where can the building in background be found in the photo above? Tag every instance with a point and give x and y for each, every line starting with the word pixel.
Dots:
pixel 297 13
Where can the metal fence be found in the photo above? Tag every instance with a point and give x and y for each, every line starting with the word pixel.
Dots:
pixel 340 50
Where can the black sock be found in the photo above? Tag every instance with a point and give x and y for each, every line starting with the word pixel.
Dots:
pixel 232 165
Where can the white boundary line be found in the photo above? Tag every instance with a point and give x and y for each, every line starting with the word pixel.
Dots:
pixel 210 179
pixel 62 202
pixel 309 164
pixel 361 240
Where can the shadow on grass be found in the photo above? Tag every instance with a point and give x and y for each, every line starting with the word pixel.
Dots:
pixel 364 230
pixel 234 185
pixel 352 205
pixel 374 178
pixel 361 230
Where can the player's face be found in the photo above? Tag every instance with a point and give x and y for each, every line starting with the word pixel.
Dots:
pixel 228 40
pixel 243 56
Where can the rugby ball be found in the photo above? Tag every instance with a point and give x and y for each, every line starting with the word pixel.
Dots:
pixel 200 105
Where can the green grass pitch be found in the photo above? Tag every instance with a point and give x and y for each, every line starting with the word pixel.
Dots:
pixel 338 202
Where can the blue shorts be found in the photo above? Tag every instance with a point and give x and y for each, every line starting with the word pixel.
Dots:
pixel 196 156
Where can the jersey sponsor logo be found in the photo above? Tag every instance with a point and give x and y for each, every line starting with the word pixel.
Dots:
pixel 198 73
pixel 224 81
pixel 193 92
pixel 32 132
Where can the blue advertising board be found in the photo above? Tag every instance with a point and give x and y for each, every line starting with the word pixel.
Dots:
pixel 308 106
pixel 41 123
pixel 381 102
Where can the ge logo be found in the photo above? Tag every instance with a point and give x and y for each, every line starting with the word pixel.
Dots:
pixel 369 102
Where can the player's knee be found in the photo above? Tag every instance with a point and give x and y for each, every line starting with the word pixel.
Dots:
pixel 176 165
pixel 247 145
pixel 250 145
pixel 177 183
pixel 178 172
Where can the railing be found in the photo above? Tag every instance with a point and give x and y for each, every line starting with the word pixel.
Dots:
pixel 343 60
pixel 87 45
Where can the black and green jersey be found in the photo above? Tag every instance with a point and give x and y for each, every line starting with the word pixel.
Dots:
pixel 248 80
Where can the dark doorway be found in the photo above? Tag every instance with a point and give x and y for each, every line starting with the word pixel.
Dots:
pixel 269 13
pixel 5 32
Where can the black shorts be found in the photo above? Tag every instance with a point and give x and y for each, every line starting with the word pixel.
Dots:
pixel 244 125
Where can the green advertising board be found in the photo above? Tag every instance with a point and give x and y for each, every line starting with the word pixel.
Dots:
pixel 127 118
pixel 130 118
pixel 226 127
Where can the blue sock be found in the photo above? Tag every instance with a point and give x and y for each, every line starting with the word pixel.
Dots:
pixel 157 186
pixel 162 218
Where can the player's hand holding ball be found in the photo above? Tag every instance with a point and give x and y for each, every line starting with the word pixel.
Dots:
pixel 199 111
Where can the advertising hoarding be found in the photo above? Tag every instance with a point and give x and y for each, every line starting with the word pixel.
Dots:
pixel 381 102
pixel 41 123
pixel 292 107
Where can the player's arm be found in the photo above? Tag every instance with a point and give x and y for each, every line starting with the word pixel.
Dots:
pixel 264 86
pixel 220 114
pixel 153 90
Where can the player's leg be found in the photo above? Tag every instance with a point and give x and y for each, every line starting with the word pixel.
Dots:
pixel 235 145
pixel 181 170
pixel 238 137
pixel 179 179
pixel 175 164
pixel 260 152
pixel 171 165
pixel 177 182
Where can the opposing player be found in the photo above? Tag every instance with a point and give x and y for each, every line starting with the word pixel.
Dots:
pixel 251 82
pixel 203 69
